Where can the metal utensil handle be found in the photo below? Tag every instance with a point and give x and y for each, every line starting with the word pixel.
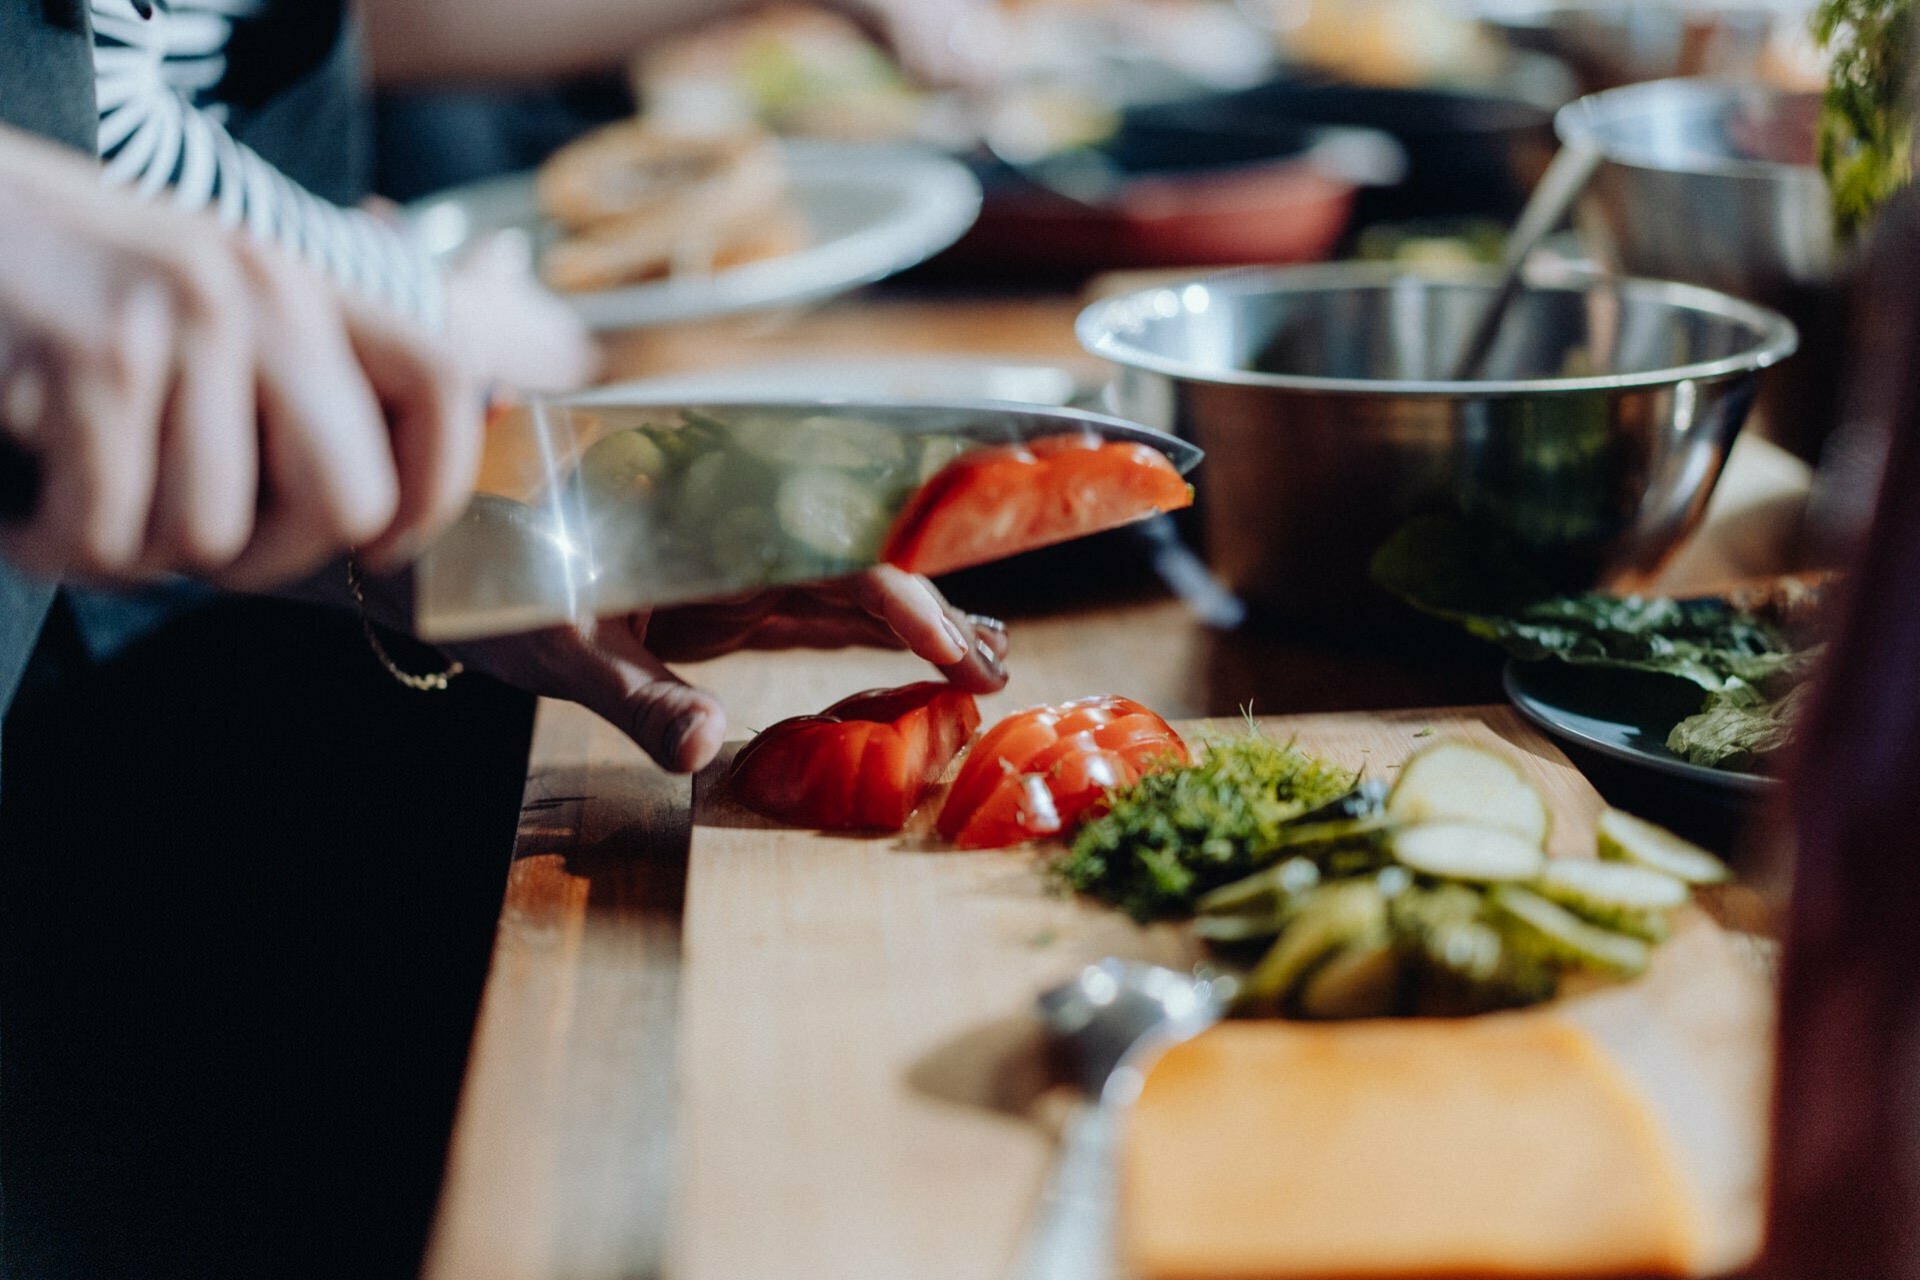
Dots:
pixel 1546 209
pixel 1071 1236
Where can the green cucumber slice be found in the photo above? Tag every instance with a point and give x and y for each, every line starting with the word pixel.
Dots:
pixel 1624 838
pixel 822 440
pixel 1228 930
pixel 1622 896
pixel 832 514
pixel 1537 925
pixel 1464 851
pixel 1332 917
pixel 1456 781
pixel 1357 982
pixel 619 469
pixel 1272 888
pixel 936 452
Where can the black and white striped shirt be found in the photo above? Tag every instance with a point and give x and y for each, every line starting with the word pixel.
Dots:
pixel 160 72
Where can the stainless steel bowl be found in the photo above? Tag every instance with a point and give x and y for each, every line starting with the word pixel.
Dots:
pixel 1319 394
pixel 1616 42
pixel 1714 183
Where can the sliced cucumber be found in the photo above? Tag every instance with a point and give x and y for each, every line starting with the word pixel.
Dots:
pixel 1333 917
pixel 1464 851
pixel 696 437
pixel 1301 836
pixel 832 514
pixel 1447 924
pixel 1356 982
pixel 1272 888
pixel 936 452
pixel 1625 838
pixel 745 545
pixel 1618 895
pixel 1547 929
pixel 701 495
pixel 1457 781
pixel 1228 930
pixel 822 440
pixel 619 469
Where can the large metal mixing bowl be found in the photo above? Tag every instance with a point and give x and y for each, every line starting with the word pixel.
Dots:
pixel 1708 181
pixel 1714 183
pixel 1617 42
pixel 1319 394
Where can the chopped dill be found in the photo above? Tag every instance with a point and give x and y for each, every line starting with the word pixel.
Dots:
pixel 1173 835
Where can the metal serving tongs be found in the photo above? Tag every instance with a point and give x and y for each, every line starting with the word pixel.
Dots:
pixel 1552 200
pixel 589 506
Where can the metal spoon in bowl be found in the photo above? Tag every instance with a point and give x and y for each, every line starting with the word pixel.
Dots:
pixel 1546 209
pixel 1114 1018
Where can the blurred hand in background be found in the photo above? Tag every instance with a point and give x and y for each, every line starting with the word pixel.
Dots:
pixel 420 41
pixel 508 328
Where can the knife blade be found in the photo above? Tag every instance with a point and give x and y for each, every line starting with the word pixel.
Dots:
pixel 588 508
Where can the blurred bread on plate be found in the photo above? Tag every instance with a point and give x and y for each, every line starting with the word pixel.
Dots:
pixel 636 201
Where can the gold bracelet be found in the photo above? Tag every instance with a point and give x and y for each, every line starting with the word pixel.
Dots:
pixel 434 682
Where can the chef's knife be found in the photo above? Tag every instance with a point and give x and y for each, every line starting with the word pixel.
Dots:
pixel 590 507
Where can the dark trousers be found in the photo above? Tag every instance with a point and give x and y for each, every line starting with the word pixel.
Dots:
pixel 248 887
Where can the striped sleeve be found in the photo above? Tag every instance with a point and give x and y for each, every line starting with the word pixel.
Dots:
pixel 159 138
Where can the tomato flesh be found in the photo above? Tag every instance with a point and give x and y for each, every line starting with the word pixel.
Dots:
pixel 1000 500
pixel 1019 809
pixel 1073 754
pixel 864 764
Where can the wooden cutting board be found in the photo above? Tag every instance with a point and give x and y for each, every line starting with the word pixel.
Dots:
pixel 864 1092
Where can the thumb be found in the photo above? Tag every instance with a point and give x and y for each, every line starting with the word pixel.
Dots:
pixel 680 726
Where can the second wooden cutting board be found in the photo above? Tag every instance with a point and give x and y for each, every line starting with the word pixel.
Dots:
pixel 863 1092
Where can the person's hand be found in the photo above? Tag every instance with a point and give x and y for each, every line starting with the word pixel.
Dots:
pixel 617 667
pixel 508 327
pixel 196 404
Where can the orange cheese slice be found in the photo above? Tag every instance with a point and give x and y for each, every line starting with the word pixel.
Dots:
pixel 1497 1146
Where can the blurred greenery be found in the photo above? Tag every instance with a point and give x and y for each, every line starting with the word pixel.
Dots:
pixel 1866 119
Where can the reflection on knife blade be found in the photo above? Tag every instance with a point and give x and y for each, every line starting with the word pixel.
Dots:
pixel 615 507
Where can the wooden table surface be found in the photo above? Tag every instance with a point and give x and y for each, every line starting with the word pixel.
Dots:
pixel 563 1157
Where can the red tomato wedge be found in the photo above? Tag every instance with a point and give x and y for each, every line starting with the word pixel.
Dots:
pixel 999 500
pixel 863 764
pixel 1042 771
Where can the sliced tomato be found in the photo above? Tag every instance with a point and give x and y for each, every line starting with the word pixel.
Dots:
pixel 863 764
pixel 1074 753
pixel 999 500
pixel 1019 809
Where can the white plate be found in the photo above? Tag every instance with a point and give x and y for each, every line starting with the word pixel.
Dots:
pixel 936 378
pixel 872 211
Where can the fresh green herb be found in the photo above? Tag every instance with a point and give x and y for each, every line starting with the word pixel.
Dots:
pixel 1866 117
pixel 1175 834
pixel 1737 727
pixel 1746 665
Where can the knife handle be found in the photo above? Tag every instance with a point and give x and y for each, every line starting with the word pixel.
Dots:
pixel 19 482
